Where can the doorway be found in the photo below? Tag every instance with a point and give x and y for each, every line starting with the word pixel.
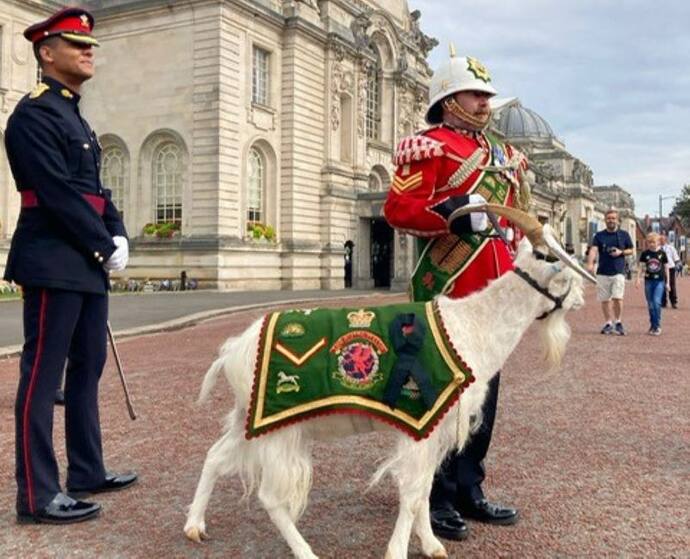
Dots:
pixel 381 252
pixel 349 253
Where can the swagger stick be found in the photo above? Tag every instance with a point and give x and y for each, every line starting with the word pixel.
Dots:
pixel 128 400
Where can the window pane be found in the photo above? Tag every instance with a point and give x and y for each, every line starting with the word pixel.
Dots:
pixel 260 68
pixel 167 183
pixel 255 187
pixel 373 103
pixel 113 175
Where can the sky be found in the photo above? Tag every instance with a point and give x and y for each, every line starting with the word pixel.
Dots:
pixel 612 78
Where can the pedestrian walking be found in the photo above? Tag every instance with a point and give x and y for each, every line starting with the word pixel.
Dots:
pixel 653 265
pixel 611 246
pixel 672 262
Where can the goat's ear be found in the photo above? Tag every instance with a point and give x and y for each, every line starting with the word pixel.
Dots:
pixel 524 246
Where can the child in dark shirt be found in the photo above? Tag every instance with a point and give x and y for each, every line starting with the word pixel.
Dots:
pixel 653 263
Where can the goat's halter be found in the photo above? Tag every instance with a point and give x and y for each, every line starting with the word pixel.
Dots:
pixel 557 300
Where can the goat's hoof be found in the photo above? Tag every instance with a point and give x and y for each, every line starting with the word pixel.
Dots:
pixel 440 554
pixel 195 534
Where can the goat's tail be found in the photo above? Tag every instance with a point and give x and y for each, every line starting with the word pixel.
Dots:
pixel 210 379
pixel 237 358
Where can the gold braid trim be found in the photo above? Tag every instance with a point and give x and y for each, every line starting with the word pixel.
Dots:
pixel 524 194
pixel 452 106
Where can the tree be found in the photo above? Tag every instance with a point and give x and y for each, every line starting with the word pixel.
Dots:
pixel 682 207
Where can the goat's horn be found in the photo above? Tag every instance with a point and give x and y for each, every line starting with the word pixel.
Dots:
pixel 527 223
pixel 557 250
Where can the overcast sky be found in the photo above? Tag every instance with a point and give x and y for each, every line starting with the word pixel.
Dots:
pixel 611 77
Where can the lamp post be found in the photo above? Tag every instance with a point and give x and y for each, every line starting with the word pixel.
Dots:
pixel 661 199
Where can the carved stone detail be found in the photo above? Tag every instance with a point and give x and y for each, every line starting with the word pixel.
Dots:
pixel 422 41
pixel 342 81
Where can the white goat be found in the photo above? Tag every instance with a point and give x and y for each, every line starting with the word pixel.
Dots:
pixel 484 327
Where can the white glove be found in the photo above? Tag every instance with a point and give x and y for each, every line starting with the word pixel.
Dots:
pixel 118 259
pixel 478 220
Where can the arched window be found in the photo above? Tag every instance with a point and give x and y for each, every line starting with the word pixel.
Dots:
pixel 168 178
pixel 374 100
pixel 256 187
pixel 114 175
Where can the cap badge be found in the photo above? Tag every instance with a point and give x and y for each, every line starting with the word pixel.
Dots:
pixel 66 93
pixel 478 69
pixel 360 318
pixel 84 21
pixel 39 90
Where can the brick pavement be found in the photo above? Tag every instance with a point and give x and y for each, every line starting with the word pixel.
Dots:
pixel 595 455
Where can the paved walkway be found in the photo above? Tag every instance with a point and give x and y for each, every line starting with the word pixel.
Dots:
pixel 595 455
pixel 138 313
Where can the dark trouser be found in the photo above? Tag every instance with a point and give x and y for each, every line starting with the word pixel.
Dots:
pixel 59 326
pixel 672 293
pixel 460 476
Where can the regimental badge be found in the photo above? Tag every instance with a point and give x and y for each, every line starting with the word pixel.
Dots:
pixel 292 330
pixel 287 383
pixel 478 69
pixel 66 93
pixel 39 90
pixel 499 156
pixel 84 21
pixel 358 359
pixel 360 318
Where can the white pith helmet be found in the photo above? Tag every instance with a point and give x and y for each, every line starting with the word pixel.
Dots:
pixel 460 73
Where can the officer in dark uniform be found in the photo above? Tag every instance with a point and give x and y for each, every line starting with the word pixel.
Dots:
pixel 69 236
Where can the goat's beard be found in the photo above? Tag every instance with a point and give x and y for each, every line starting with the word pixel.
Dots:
pixel 555 333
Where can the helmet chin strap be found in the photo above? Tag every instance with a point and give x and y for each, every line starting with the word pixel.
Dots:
pixel 452 106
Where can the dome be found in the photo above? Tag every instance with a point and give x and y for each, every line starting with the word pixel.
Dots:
pixel 516 121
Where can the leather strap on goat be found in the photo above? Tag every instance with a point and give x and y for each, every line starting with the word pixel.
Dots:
pixel 394 363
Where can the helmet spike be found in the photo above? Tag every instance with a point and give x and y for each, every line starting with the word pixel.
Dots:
pixel 451 47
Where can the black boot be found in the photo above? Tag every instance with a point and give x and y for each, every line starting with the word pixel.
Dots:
pixel 447 523
pixel 490 513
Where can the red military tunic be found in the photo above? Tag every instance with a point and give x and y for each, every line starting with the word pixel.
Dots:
pixel 433 166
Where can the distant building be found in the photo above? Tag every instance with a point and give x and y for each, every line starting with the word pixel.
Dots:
pixel 562 185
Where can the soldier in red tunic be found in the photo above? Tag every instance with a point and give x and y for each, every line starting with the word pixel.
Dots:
pixel 453 163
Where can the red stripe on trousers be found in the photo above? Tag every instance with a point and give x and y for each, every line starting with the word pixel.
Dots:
pixel 27 402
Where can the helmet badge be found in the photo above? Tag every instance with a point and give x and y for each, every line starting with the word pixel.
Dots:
pixel 478 69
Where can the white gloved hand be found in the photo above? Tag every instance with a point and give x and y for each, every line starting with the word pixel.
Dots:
pixel 478 220
pixel 118 259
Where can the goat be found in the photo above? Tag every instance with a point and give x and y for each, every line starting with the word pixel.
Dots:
pixel 484 327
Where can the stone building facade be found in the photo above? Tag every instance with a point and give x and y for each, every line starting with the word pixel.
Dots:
pixel 262 129
pixel 249 142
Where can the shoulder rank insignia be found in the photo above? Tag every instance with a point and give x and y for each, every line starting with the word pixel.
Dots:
pixel 39 90
pixel 401 184
pixel 417 148
pixel 66 93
